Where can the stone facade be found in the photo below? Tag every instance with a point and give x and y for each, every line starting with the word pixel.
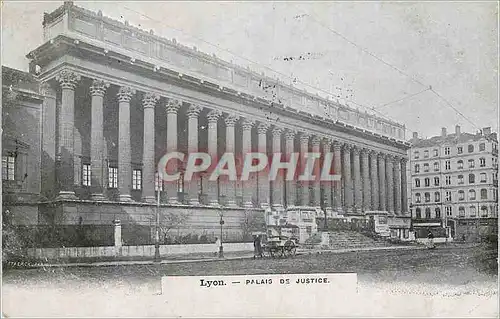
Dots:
pixel 119 98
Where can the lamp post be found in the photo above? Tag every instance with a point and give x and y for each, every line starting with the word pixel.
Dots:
pixel 157 227
pixel 221 248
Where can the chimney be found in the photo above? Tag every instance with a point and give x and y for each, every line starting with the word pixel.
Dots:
pixel 487 130
pixel 415 135
pixel 443 132
pixel 457 130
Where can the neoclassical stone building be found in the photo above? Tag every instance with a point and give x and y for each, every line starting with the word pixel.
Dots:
pixel 117 98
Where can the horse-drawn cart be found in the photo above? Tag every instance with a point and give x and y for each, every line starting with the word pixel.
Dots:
pixel 281 241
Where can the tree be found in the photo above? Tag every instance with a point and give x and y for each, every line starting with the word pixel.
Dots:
pixel 170 220
pixel 251 222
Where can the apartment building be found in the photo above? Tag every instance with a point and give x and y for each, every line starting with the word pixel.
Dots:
pixel 454 181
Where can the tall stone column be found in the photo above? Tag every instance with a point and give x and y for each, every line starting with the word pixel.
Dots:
pixel 263 177
pixel 404 185
pixel 381 178
pixel 348 184
pixel 229 186
pixel 250 185
pixel 97 90
pixel 125 94
pixel 337 170
pixel 148 152
pixel 358 194
pixel 171 187
pixel 367 196
pixel 327 186
pixel 66 152
pixel 193 185
pixel 316 186
pixel 304 185
pixel 374 180
pixel 291 189
pixel 390 183
pixel 397 185
pixel 278 183
pixel 213 186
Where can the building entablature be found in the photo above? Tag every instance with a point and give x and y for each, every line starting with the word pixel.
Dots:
pixel 187 90
pixel 157 54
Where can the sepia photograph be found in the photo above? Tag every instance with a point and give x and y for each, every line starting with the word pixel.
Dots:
pixel 249 159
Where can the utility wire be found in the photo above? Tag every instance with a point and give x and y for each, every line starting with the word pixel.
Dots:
pixel 244 58
pixel 312 17
pixel 401 99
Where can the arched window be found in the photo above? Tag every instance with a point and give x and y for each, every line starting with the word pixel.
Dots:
pixel 482 147
pixel 438 212
pixel 418 213
pixel 472 178
pixel 436 166
pixel 472 194
pixel 461 211
pixel 427 182
pixel 484 193
pixel 460 164
pixel 437 197
pixel 417 182
pixel 470 148
pixel 472 211
pixel 427 212
pixel 460 179
pixel 417 198
pixel 484 211
pixel 427 197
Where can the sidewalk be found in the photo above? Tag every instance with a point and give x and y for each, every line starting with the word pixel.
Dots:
pixel 197 260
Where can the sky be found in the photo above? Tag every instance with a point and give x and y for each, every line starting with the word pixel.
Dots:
pixel 372 53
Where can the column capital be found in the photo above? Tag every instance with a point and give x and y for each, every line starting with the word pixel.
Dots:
pixel 277 131
pixel 247 124
pixel 231 119
pixel 304 138
pixel 396 158
pixel 373 153
pixel 290 134
pixel 315 141
pixel 98 87
pixel 337 145
pixel 404 160
pixel 194 111
pixel 125 94
pixel 213 116
pixel 327 141
pixel 347 147
pixel 356 150
pixel 381 156
pixel 173 106
pixel 68 79
pixel 389 157
pixel 149 100
pixel 364 152
pixel 262 128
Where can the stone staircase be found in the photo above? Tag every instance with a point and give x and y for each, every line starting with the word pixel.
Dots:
pixel 345 239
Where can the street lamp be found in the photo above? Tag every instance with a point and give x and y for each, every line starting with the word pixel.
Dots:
pixel 157 226
pixel 221 249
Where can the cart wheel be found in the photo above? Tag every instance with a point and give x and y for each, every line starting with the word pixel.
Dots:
pixel 282 252
pixel 271 252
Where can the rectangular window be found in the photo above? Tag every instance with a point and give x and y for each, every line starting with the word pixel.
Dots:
pixel 448 210
pixel 426 154
pixel 86 174
pixel 471 163
pixel 416 154
pixel 446 151
pixel 460 150
pixel 136 179
pixel 447 165
pixel 482 147
pixel 417 168
pixel 113 177
pixel 448 180
pixel 436 181
pixel 427 182
pixel 436 152
pixel 9 167
pixel 426 167
pixel 483 177
pixel 461 195
pixel 448 196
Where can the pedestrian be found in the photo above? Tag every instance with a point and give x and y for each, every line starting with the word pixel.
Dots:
pixel 217 246
pixel 259 246
pixel 255 248
pixel 430 236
